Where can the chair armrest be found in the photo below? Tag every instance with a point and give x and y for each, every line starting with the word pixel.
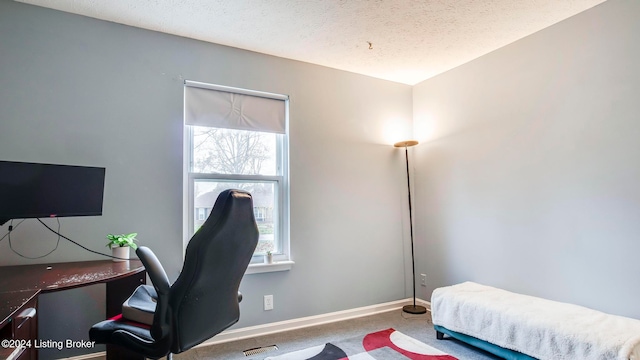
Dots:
pixel 161 327
pixel 155 270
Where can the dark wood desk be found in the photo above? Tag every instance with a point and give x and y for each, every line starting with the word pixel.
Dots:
pixel 20 286
pixel 17 322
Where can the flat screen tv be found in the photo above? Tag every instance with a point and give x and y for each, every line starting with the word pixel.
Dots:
pixel 31 190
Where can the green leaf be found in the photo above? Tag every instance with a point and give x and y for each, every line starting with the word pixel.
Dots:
pixel 122 240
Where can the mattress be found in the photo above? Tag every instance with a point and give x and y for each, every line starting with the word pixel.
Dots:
pixel 540 328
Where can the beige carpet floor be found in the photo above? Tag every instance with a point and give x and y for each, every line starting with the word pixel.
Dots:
pixel 416 326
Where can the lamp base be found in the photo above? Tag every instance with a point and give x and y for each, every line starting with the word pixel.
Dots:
pixel 414 309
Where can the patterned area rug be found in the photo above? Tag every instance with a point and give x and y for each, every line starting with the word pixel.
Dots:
pixel 382 345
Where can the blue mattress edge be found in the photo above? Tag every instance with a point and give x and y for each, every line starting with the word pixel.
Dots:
pixel 485 345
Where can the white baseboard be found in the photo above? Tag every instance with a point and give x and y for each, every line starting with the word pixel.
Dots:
pixel 299 323
pixel 294 324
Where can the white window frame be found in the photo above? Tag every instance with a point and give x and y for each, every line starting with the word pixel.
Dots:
pixel 282 259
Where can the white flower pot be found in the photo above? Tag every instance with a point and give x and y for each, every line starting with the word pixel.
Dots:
pixel 121 252
pixel 268 258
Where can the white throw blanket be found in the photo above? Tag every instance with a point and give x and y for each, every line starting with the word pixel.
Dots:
pixel 540 328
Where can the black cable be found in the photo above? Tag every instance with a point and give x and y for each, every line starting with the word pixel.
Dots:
pixel 29 257
pixel 11 228
pixel 84 247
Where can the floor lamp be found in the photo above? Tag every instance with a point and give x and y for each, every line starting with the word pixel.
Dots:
pixel 411 309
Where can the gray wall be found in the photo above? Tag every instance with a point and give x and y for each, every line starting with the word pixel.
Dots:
pixel 528 177
pixel 77 90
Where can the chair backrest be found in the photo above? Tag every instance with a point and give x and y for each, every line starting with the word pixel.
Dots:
pixel 204 298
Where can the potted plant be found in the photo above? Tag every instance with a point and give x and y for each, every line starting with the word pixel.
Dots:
pixel 120 244
pixel 269 257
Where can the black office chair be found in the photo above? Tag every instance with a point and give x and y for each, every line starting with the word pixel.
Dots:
pixel 204 300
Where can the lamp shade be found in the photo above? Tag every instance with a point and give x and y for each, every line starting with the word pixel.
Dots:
pixel 406 143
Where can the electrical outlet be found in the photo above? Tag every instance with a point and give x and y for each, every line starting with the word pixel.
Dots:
pixel 423 279
pixel 268 302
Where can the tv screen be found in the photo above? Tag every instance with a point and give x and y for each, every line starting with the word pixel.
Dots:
pixel 31 190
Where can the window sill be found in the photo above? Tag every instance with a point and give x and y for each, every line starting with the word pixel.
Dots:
pixel 259 268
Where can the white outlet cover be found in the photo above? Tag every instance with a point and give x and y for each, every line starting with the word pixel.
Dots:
pixel 268 302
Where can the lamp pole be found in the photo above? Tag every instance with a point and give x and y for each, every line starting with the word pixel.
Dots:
pixel 411 309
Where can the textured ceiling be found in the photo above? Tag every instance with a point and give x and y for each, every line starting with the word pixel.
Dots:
pixel 411 40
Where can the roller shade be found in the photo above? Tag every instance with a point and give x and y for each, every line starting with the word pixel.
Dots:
pixel 214 106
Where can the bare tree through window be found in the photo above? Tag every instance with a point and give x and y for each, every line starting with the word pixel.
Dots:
pixel 224 151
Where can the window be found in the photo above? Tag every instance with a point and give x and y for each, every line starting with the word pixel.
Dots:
pixel 201 213
pixel 237 138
